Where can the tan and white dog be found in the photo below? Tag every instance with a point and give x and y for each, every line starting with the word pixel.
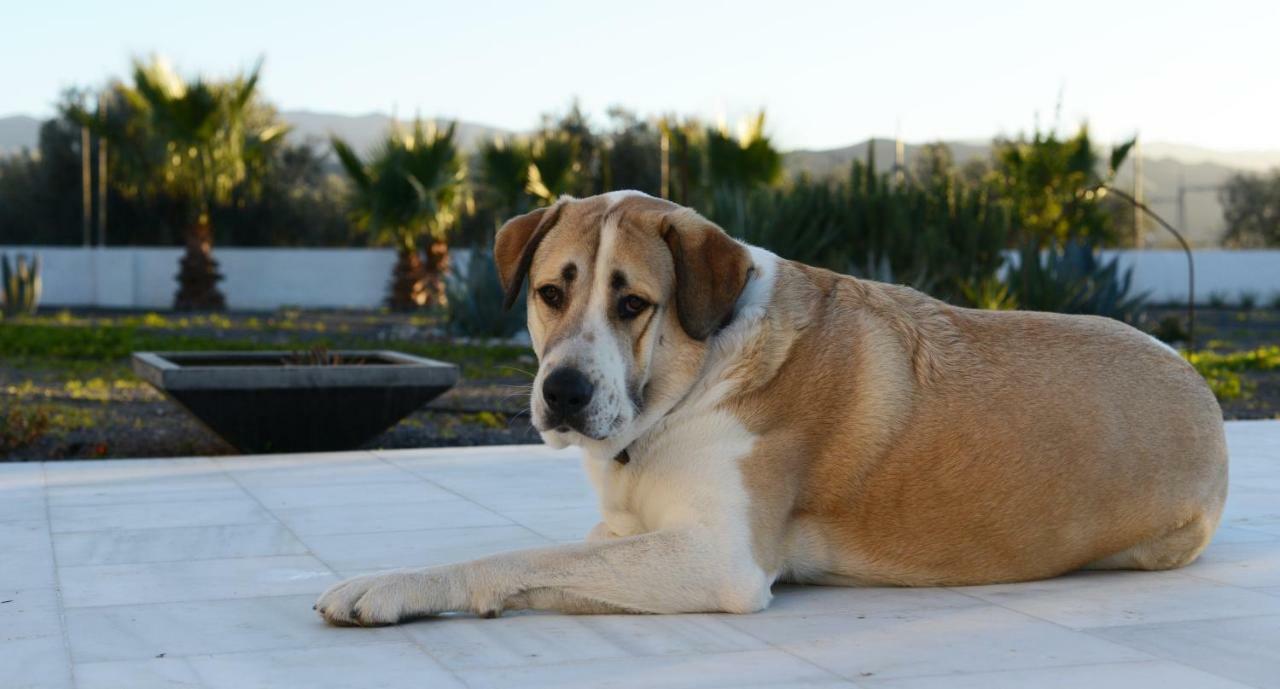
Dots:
pixel 747 419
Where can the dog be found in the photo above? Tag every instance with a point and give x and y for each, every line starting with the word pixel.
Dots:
pixel 747 419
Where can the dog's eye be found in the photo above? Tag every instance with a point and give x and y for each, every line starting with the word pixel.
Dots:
pixel 631 306
pixel 551 295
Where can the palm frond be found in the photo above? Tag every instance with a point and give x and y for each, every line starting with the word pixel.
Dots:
pixel 351 163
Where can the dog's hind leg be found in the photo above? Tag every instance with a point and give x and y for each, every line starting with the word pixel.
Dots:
pixel 1170 550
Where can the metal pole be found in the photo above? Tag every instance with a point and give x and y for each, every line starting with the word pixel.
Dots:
pixel 1138 239
pixel 1191 265
pixel 1182 200
pixel 86 188
pixel 664 184
pixel 102 174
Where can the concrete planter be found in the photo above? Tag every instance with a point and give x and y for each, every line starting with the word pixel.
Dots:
pixel 259 403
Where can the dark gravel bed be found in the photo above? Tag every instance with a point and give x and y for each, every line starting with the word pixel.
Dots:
pixel 132 420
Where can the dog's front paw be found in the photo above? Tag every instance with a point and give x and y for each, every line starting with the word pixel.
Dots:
pixel 372 600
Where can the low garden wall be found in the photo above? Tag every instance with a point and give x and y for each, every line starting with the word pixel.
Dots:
pixel 255 279
pixel 265 279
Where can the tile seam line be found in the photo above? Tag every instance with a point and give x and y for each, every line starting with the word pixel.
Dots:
pixel 588 661
pixel 192 601
pixel 1086 630
pixel 399 629
pixel 275 519
pixel 420 477
pixel 280 649
pixel 1109 663
pixel 1219 582
pixel 451 492
pixel 57 576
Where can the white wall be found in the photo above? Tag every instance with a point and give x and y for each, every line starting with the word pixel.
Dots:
pixel 264 279
pixel 1163 273
pixel 256 279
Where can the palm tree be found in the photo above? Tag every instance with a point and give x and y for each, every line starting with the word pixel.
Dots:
pixel 504 176
pixel 745 161
pixel 194 142
pixel 411 189
pixel 554 168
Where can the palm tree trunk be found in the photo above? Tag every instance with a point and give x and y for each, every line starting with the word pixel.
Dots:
pixel 198 274
pixel 408 289
pixel 437 265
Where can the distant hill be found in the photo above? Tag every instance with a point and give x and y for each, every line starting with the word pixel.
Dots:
pixel 1245 160
pixel 18 132
pixel 363 131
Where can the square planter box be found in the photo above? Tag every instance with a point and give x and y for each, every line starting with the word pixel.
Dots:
pixel 259 402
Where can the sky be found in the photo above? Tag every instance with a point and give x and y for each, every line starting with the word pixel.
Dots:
pixel 828 74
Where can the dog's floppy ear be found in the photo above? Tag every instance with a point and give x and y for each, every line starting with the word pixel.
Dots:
pixel 711 271
pixel 514 245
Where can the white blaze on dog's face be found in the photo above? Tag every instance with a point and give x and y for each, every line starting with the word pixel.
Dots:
pixel 624 290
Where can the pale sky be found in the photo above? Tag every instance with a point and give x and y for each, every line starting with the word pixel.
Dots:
pixel 829 74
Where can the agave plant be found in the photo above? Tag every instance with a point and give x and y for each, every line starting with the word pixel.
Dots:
pixel 21 283
pixel 988 293
pixel 1074 279
pixel 476 301
pixel 410 192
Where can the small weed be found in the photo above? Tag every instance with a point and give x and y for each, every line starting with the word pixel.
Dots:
pixel 1170 330
pixel 486 419
pixel 1222 371
pixel 22 427
pixel 1248 301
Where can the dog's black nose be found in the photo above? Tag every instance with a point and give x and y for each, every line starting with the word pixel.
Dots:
pixel 566 391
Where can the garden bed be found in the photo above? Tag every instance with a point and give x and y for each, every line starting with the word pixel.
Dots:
pixel 66 390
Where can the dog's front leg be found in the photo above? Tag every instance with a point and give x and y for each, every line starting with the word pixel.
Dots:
pixel 693 570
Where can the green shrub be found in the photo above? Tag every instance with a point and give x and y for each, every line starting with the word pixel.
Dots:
pixel 1222 371
pixel 1170 330
pixel 937 235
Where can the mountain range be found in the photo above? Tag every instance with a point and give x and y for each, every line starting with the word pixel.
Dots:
pixel 1167 168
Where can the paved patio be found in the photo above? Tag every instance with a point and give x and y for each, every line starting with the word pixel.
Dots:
pixel 130 574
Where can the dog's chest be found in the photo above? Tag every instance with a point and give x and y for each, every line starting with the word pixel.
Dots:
pixel 685 471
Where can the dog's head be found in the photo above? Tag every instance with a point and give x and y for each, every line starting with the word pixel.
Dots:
pixel 624 292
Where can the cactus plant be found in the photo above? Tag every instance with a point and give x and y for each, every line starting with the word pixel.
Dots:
pixel 21 284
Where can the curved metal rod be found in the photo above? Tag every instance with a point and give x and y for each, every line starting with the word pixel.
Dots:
pixel 1186 248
